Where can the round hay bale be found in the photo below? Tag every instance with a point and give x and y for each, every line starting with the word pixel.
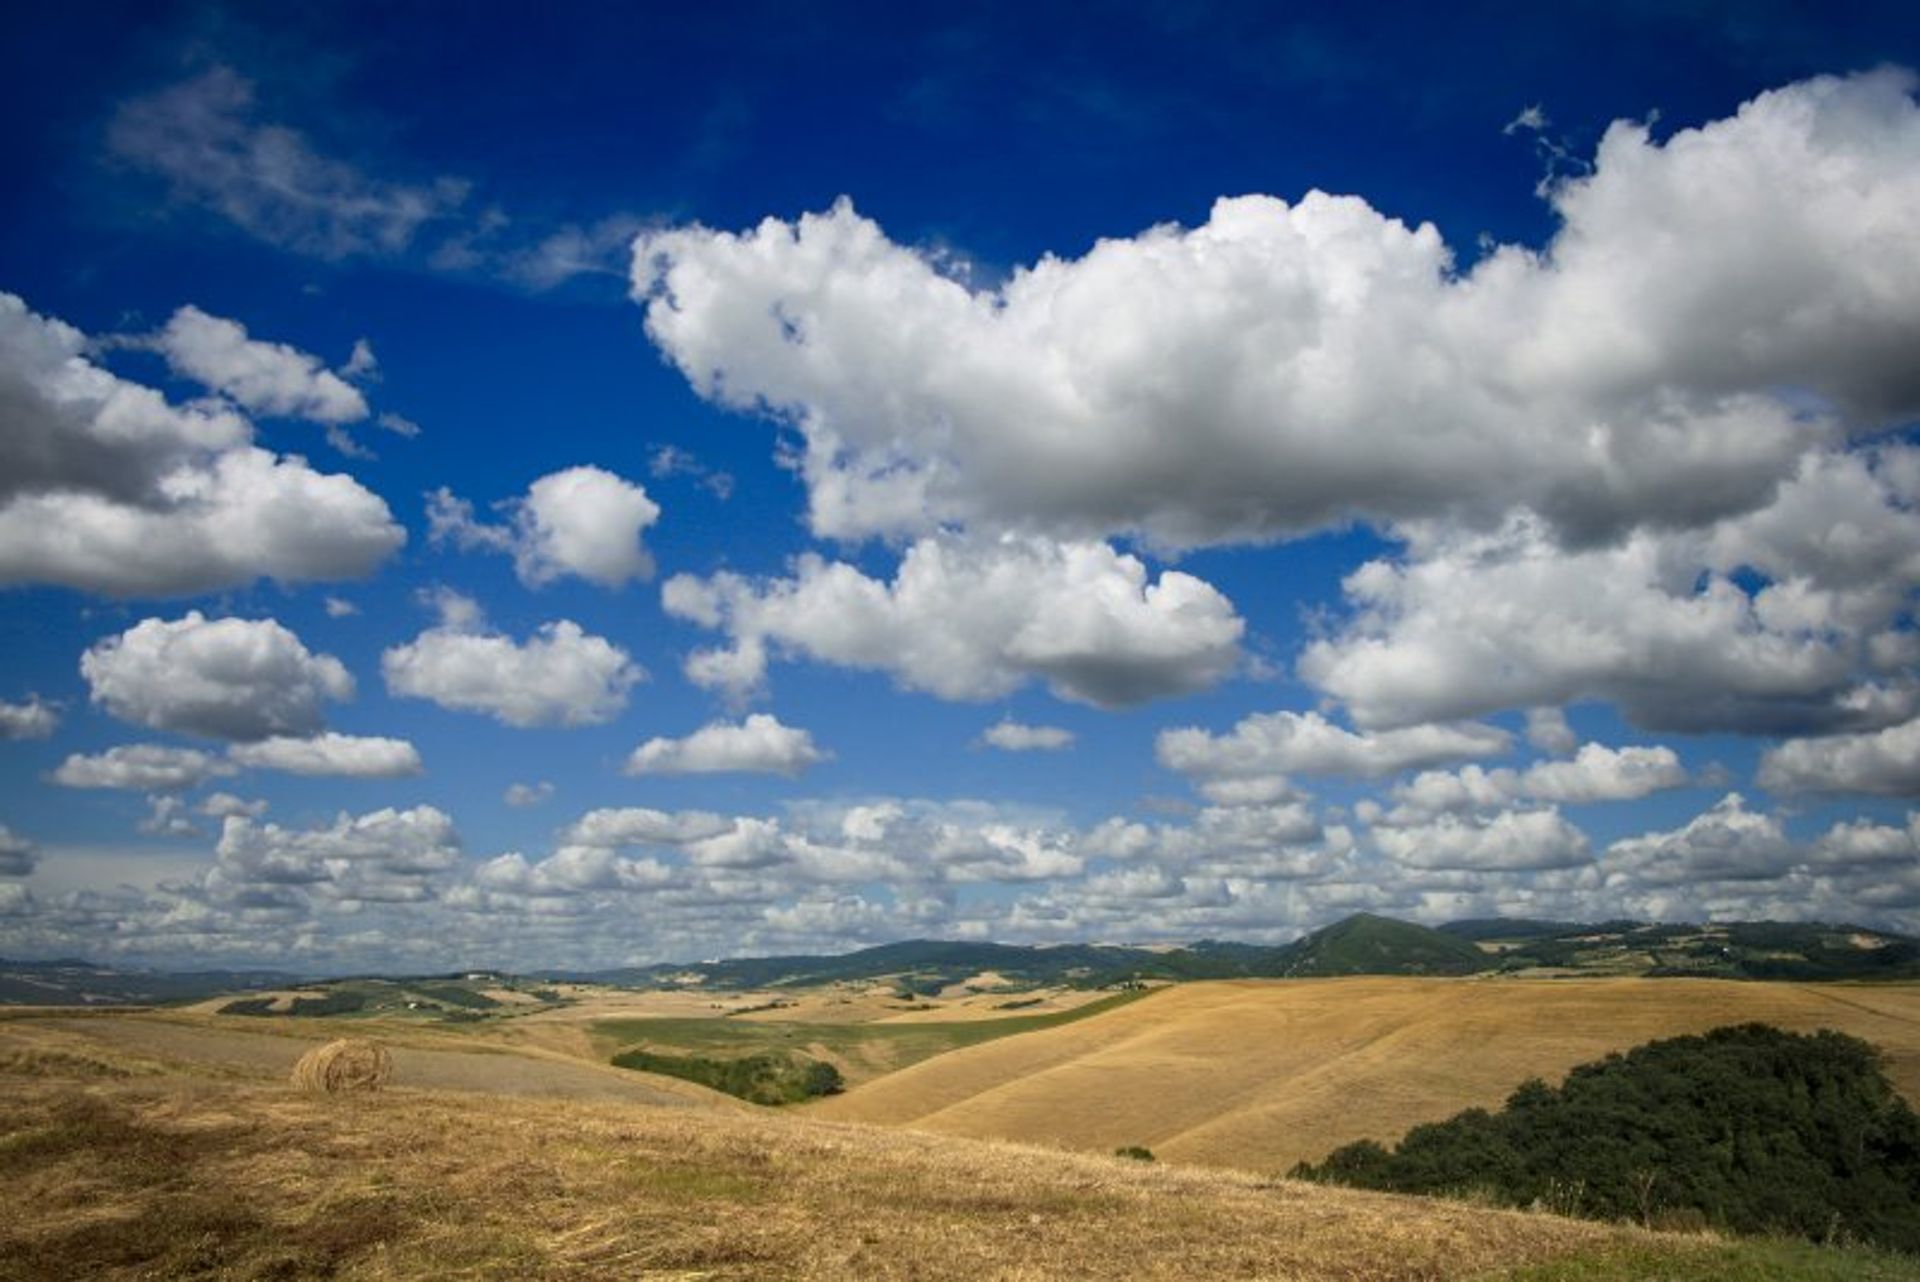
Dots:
pixel 350 1064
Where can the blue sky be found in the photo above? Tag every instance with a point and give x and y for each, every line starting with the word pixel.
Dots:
pixel 1194 471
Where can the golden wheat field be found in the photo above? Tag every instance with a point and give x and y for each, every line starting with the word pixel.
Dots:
pixel 149 1145
pixel 127 1166
pixel 1260 1074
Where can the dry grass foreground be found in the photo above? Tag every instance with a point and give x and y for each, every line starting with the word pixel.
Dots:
pixel 187 1177
pixel 1260 1074
pixel 155 1042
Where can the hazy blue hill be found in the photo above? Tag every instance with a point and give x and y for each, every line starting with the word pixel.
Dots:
pixel 1363 944
pixel 70 982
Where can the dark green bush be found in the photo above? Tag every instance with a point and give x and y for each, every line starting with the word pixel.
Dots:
pixel 769 1078
pixel 1749 1129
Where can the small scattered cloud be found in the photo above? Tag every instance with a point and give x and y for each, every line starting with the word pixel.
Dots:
pixel 1013 736
pixel 670 460
pixel 584 522
pixel 1289 743
pixel 758 745
pixel 261 377
pixel 141 767
pixel 34 718
pixel 528 794
pixel 330 754
pixel 18 856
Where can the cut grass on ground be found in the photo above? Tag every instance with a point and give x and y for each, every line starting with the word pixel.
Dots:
pixel 188 1178
pixel 862 1051
pixel 1733 1261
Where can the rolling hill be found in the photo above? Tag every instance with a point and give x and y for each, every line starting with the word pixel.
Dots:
pixel 121 1168
pixel 1260 1075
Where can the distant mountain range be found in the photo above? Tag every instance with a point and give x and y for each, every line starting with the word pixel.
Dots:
pixel 1363 944
pixel 70 982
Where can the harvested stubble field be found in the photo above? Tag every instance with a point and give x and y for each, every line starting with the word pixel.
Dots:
pixel 1260 1074
pixel 177 1176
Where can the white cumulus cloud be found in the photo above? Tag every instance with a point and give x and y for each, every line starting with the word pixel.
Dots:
pixel 559 676
pixel 107 487
pixel 331 754
pixel 1281 743
pixel 405 844
pixel 263 377
pixel 758 745
pixel 965 620
pixel 1286 366
pixel 1507 841
pixel 142 767
pixel 1885 763
pixel 33 719
pixel 1595 773
pixel 1726 843
pixel 583 521
pixel 240 679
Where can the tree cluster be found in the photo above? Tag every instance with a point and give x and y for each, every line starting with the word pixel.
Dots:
pixel 1747 1129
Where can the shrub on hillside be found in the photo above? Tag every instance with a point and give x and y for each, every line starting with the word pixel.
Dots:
pixel 1747 1128
pixel 770 1078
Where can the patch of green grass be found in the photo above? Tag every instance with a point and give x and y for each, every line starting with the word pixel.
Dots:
pixel 765 1078
pixel 870 1049
pixel 1748 1260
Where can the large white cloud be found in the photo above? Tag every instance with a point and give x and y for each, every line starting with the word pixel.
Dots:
pixel 266 378
pixel 582 521
pixel 1885 762
pixel 107 487
pixel 560 676
pixel 1282 743
pixel 1783 620
pixel 973 620
pixel 758 745
pixel 330 754
pixel 222 678
pixel 1286 366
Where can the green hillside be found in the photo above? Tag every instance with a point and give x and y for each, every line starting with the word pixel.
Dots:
pixel 1364 944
